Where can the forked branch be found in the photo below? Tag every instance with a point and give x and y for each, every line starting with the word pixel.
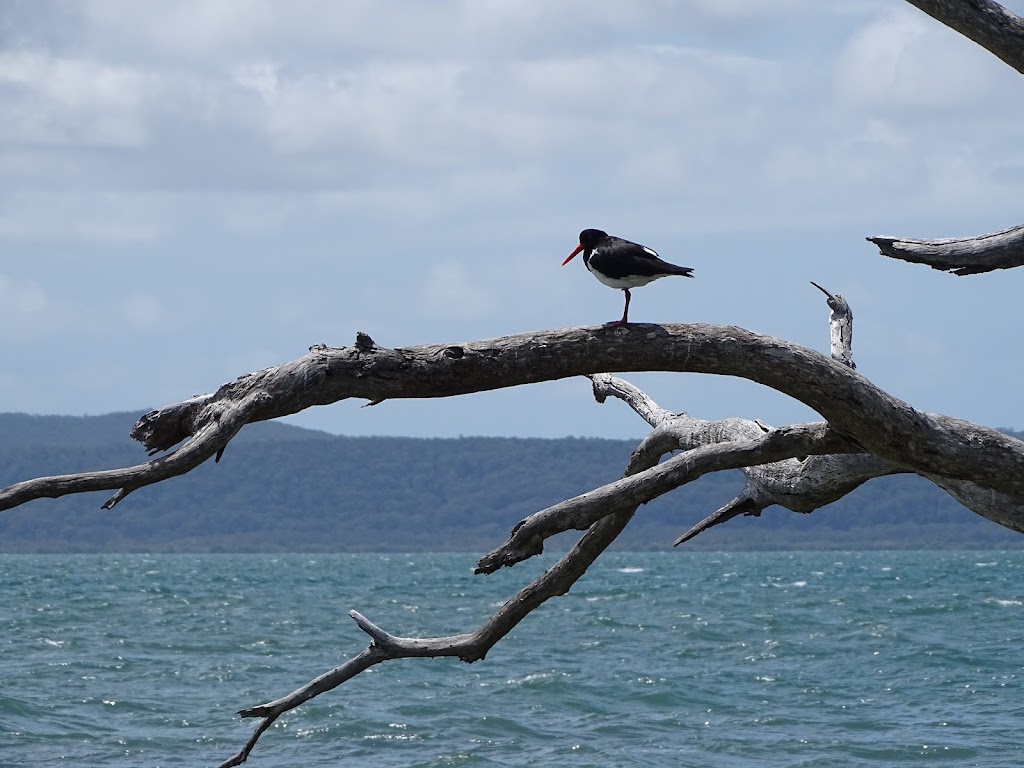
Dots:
pixel 527 538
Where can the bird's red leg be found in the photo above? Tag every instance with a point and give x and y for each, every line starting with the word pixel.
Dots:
pixel 625 311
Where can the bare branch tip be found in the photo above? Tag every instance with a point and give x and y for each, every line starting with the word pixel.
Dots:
pixel 113 500
pixel 378 635
pixel 822 289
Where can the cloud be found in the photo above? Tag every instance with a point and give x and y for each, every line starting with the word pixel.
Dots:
pixel 54 100
pixel 27 312
pixel 30 313
pixel 452 290
pixel 905 60
pixel 79 217
pixel 418 170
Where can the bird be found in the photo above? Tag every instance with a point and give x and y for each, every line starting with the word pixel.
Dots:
pixel 621 264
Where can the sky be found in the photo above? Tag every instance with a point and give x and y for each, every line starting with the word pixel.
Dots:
pixel 190 191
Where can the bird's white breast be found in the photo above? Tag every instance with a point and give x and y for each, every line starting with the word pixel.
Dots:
pixel 629 281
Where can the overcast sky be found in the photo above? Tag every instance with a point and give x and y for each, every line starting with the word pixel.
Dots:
pixel 194 190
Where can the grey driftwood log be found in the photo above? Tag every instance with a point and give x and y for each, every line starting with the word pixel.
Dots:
pixel 959 255
pixel 876 421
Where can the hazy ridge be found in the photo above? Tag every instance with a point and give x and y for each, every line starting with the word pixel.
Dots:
pixel 284 488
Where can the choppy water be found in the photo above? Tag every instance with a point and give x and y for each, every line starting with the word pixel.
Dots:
pixel 674 659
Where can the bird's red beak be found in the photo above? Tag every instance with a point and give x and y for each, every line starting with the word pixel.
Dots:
pixel 572 255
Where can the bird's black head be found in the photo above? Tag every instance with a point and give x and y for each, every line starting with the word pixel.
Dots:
pixel 591 237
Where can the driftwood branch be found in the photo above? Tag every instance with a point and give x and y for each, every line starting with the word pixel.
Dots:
pixel 852 405
pixel 630 492
pixel 1001 32
pixel 210 439
pixel 801 477
pixel 959 255
pixel 808 478
pixel 988 24
pixel 468 647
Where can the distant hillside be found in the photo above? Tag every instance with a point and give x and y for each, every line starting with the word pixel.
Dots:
pixel 283 488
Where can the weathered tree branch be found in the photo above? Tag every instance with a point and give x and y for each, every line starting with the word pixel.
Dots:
pixel 959 255
pixel 210 439
pixel 528 537
pixel 881 424
pixel 799 484
pixel 801 480
pixel 988 24
pixel 1001 32
pixel 469 647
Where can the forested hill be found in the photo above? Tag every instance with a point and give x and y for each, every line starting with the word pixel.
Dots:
pixel 283 488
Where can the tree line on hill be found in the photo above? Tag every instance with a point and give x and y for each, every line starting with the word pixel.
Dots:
pixel 283 488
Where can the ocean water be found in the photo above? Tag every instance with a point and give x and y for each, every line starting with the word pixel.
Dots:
pixel 657 659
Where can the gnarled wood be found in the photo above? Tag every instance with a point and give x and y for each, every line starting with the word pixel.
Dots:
pixel 959 255
pixel 852 405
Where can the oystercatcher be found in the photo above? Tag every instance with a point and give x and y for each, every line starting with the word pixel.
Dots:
pixel 621 264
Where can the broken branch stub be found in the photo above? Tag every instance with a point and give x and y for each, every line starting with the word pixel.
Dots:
pixel 840 323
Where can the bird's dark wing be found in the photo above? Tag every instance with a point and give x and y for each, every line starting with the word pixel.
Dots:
pixel 618 258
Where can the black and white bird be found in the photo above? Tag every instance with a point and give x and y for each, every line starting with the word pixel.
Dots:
pixel 621 264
